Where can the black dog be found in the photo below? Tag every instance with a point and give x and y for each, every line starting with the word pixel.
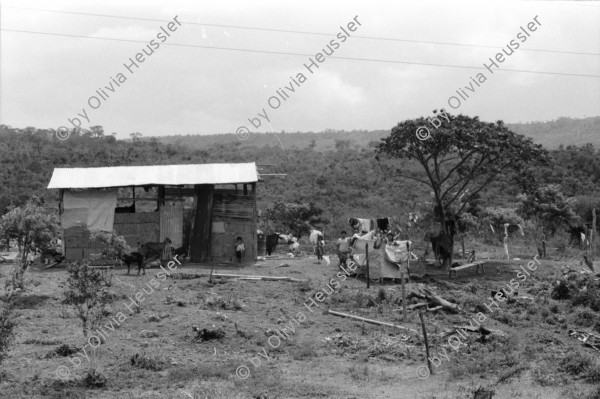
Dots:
pixel 134 257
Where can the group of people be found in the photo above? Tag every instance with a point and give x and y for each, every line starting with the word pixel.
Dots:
pixel 343 245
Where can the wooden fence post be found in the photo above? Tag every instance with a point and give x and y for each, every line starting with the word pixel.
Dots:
pixel 403 297
pixel 426 343
pixel 367 259
pixel 544 245
pixel 408 261
pixel 594 232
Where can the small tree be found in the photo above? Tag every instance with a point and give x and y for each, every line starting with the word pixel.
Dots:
pixel 297 218
pixel 135 136
pixel 497 217
pixel 503 222
pixel 113 246
pixel 549 208
pixel 86 291
pixel 33 227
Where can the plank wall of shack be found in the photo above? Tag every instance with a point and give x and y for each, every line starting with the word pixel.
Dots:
pixel 78 244
pixel 233 215
pixel 138 228
pixel 134 227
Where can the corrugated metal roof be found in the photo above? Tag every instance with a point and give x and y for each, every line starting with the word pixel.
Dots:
pixel 121 176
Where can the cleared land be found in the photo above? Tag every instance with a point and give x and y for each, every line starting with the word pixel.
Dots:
pixel 529 353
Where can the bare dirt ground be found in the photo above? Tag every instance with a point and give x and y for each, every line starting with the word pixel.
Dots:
pixel 528 355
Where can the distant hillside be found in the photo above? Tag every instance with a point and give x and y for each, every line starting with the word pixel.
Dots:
pixel 551 134
pixel 566 131
pixel 345 181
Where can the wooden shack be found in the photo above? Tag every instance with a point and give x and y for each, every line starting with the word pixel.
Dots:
pixel 202 208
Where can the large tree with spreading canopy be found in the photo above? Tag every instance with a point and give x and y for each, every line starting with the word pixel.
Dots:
pixel 461 158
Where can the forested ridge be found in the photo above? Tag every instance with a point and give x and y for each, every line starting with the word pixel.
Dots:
pixel 338 171
pixel 552 134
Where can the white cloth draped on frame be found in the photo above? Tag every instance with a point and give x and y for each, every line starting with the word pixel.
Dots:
pixel 92 209
pixel 386 261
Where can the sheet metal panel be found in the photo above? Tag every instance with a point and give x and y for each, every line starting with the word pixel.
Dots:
pixel 123 176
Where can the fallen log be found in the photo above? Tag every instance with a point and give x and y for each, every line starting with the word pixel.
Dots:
pixel 379 323
pixel 434 309
pixel 414 294
pixel 246 277
pixel 264 278
pixel 438 301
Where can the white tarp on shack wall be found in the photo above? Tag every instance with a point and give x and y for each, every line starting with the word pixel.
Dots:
pixel 92 209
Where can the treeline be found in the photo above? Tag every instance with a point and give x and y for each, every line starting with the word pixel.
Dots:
pixel 550 134
pixel 344 180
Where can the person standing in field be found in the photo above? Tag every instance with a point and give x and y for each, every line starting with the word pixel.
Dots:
pixel 320 248
pixel 343 248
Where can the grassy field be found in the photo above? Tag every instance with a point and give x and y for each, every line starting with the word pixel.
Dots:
pixel 154 353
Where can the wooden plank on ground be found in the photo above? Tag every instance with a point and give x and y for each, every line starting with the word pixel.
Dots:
pixel 376 322
pixel 467 266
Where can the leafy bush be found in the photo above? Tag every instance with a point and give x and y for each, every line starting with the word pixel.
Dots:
pixel 86 291
pixel 590 296
pixel 66 350
pixel 585 317
pixel 7 326
pixel 576 364
pixel 112 245
pixel 33 227
pixel 561 290
pixel 483 393
pixel 381 295
pixel 294 217
pixel 148 363
pixel 208 334
pixel 94 379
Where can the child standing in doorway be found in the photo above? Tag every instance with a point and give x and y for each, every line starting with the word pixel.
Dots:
pixel 240 249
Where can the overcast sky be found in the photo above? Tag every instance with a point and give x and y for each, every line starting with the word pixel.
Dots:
pixel 46 80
